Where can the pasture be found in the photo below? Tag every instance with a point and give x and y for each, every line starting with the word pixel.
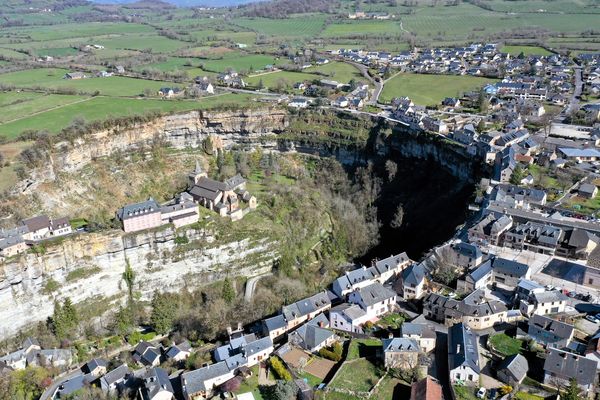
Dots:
pixel 526 50
pixel 430 89
pixel 52 78
pixel 100 108
pixel 238 62
pixel 302 26
pixel 338 71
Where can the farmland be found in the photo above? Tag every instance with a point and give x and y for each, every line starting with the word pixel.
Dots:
pixel 99 108
pixel 430 89
pixel 526 50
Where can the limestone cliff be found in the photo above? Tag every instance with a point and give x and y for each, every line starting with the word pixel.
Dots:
pixel 178 130
pixel 89 267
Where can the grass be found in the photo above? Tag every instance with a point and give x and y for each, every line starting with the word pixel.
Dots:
pixel 35 104
pixel 465 393
pixel 526 50
pixel 358 347
pixel 338 71
pixel 430 89
pixel 393 321
pixel 99 108
pixel 303 26
pixel 238 62
pixel 387 388
pixel 250 384
pixel 370 28
pixel 505 344
pixel 270 80
pixel 583 205
pixel 359 376
pixel 81 273
pixel 310 379
pixel 527 396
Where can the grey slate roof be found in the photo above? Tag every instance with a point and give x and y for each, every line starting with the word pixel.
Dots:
pixel 208 188
pixel 94 363
pixel 587 188
pixel 115 375
pixel 306 306
pixel 557 328
pixel 516 365
pixel 311 336
pixel 193 381
pixel 352 311
pixel 509 267
pixel 274 323
pixel 156 381
pixel 482 271
pixel 400 345
pixel 414 274
pixel 569 365
pixel 548 297
pixel 462 348
pixel 133 210
pixel 375 293
pixel 422 330
pixel 467 249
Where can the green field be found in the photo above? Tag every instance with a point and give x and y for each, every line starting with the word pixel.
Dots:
pixel 239 62
pixel 271 79
pixel 353 28
pixel 303 26
pixel 33 103
pixel 430 89
pixel 338 71
pixel 64 31
pixel 100 108
pixel 505 345
pixel 52 78
pixel 359 375
pixel 526 50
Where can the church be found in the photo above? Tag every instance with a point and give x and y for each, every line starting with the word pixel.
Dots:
pixel 229 198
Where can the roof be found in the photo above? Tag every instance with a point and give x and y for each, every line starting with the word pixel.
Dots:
pixel 208 188
pixel 467 249
pixel 569 365
pixel 549 296
pixel 234 181
pixel 194 381
pixel 306 306
pixel 414 274
pixel 400 345
pixel 258 346
pixel 557 328
pixel 426 389
pixel 516 365
pixel 510 267
pixel 311 335
pixel 528 285
pixel 116 374
pixel 71 385
pixel 351 311
pixel 375 293
pixel 94 363
pixel 37 223
pixel 149 206
pixel 421 330
pixel 462 348
pixel 587 188
pixel 156 381
pixel 482 271
pixel 274 323
pixel 572 152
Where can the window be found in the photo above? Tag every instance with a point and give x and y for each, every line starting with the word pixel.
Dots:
pixel 590 281
pixel 471 377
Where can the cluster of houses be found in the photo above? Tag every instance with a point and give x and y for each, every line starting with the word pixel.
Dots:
pixel 225 198
pixel 30 231
pixel 32 354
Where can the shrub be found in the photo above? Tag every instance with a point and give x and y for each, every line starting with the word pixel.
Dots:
pixel 330 355
pixel 182 240
pixel 51 286
pixel 279 369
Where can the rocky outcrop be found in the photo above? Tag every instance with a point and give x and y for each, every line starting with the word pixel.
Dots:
pixel 183 130
pixel 89 267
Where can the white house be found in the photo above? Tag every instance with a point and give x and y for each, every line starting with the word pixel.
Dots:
pixel 347 317
pixel 375 299
pixel 463 356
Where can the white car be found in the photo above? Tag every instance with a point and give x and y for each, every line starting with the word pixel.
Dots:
pixel 481 393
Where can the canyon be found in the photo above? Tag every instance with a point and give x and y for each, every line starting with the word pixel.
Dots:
pixel 88 267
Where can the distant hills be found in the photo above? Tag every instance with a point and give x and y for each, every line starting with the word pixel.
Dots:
pixel 187 3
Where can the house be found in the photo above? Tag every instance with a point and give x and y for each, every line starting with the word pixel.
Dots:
pixel 157 386
pixel 400 353
pixel 549 302
pixel 490 229
pixel 526 288
pixel 231 79
pixel 474 310
pixel 538 238
pixel 12 242
pixel 341 102
pixel 180 212
pixel 561 366
pixel 463 355
pixel 504 165
pixel 146 354
pixel 114 381
pixel 381 272
pixel 41 227
pixel 451 102
pixel 168 93
pixel 477 279
pixel 95 367
pixel 423 334
pixel 512 370
pixel 139 216
pixel 517 197
pixel 587 190
pixel 427 388
pixel 347 317
pixel 312 337
pixel 179 352
pixel 200 383
pixel 305 309
pixel 413 281
pixel 579 155
pixel 463 254
pixel 298 102
pixel 275 326
pixel 69 387
pixel 550 332
pixel 203 85
pixel 74 75
pixel 509 272
pixel 225 198
pixel 375 299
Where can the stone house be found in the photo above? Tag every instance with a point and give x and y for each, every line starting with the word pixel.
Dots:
pixel 140 216
pixel 512 370
pixel 400 353
pixel 200 383
pixel 375 299
pixel 348 317
pixel 413 281
pixel 561 366
pixel 114 381
pixel 463 356
pixel 544 303
pixel 423 334
pixel 490 229
pixel 550 332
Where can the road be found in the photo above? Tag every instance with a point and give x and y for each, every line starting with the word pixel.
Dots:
pixel 576 92
pixel 251 286
pixel 365 72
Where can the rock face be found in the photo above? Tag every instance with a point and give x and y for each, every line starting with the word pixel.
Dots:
pixel 189 129
pixel 89 268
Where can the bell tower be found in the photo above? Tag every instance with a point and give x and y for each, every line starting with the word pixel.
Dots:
pixel 195 175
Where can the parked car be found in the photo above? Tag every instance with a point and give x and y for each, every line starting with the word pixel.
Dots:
pixel 481 393
pixel 591 318
pixel 597 316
